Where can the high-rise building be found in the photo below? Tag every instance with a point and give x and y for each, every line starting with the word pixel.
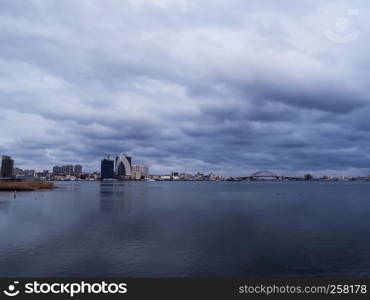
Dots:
pixel 308 177
pixel 57 170
pixel 107 168
pixel 78 169
pixel 140 172
pixel 123 166
pixel 68 169
pixel 7 165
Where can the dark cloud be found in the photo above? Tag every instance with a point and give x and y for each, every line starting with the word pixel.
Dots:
pixel 224 86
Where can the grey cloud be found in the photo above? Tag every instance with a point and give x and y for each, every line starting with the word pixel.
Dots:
pixel 225 86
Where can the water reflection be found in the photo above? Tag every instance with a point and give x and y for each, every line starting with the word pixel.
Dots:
pixel 184 229
pixel 114 198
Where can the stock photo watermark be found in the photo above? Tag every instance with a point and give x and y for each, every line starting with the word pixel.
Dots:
pixel 343 31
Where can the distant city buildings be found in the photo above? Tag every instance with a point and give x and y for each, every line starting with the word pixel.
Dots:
pixel 140 172
pixel 7 165
pixel 17 171
pixel 57 170
pixel 77 169
pixel 107 168
pixel 176 176
pixel 123 166
pixel 43 175
pixel 67 170
pixel 29 173
pixel 122 169
pixel 308 177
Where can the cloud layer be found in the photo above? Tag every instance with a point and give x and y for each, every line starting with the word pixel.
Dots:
pixel 226 86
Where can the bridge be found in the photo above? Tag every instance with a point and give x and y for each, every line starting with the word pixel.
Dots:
pixel 263 175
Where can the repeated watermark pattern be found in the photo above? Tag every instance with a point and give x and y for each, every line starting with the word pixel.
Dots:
pixel 343 33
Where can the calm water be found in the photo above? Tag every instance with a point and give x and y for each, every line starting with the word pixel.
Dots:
pixel 187 229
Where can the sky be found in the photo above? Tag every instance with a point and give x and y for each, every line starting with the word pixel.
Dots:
pixel 224 86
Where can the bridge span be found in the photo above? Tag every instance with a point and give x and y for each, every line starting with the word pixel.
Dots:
pixel 264 175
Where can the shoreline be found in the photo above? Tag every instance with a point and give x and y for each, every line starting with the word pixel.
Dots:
pixel 11 186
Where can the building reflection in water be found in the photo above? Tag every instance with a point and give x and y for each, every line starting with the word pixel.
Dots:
pixel 114 198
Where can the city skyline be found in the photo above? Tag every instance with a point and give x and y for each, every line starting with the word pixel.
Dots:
pixel 122 167
pixel 230 87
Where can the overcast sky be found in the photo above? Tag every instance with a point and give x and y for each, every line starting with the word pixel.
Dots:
pixel 228 86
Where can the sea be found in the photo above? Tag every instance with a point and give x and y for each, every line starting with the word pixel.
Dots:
pixel 187 230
